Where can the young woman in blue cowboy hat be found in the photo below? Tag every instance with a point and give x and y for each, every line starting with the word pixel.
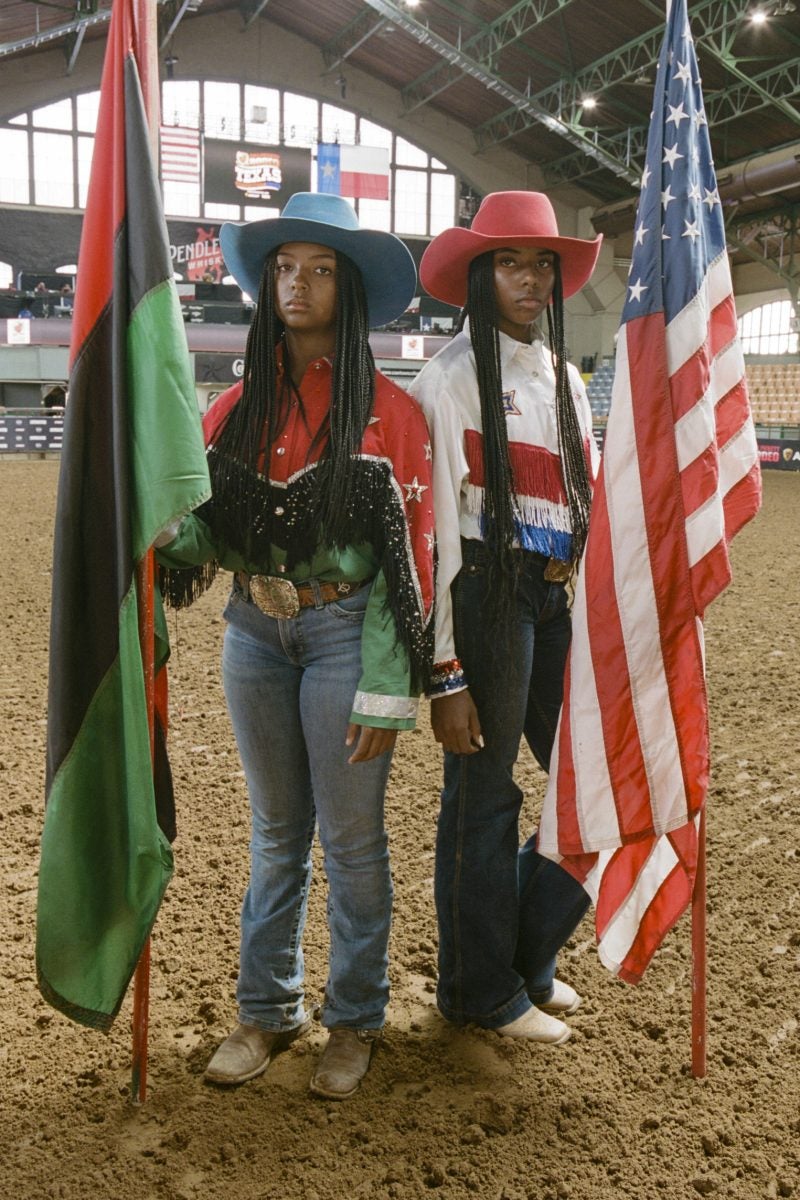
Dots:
pixel 322 508
pixel 514 461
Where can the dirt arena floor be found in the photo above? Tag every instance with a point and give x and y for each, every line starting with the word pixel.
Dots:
pixel 614 1113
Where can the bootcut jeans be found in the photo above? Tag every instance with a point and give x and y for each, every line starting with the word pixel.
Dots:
pixel 289 686
pixel 504 912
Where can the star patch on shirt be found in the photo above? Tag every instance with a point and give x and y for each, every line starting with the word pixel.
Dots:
pixel 509 407
pixel 415 489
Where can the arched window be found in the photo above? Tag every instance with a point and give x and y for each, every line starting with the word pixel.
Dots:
pixel 770 329
pixel 46 153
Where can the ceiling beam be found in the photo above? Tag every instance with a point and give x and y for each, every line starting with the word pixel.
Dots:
pixel 485 46
pixel 721 107
pixel 55 34
pixel 621 65
pixel 73 48
pixel 496 84
pixel 176 10
pixel 251 10
pixel 350 37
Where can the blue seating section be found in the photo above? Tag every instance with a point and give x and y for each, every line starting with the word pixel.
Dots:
pixel 599 391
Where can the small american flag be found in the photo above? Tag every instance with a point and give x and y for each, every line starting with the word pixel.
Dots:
pixel 180 154
pixel 680 476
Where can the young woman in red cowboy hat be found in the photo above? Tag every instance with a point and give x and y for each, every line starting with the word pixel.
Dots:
pixel 514 461
pixel 322 508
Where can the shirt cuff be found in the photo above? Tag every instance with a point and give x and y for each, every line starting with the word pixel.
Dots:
pixel 372 704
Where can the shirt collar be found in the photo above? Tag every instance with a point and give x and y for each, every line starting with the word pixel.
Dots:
pixel 510 348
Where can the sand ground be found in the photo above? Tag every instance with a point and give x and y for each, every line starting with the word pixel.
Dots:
pixel 615 1113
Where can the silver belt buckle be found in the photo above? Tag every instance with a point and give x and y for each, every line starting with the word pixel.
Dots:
pixel 276 597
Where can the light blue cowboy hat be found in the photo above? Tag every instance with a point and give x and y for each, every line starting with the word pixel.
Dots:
pixel 385 263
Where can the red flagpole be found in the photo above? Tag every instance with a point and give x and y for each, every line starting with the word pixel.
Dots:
pixel 699 956
pixel 146 51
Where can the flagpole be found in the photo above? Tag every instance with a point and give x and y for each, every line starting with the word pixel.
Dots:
pixel 146 52
pixel 699 956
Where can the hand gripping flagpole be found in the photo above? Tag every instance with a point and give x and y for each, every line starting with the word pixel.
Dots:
pixel 145 49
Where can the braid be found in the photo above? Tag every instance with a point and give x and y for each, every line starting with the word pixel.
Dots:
pixel 352 396
pixel 246 513
pixel 499 504
pixel 570 438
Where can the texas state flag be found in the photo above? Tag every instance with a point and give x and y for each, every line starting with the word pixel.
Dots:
pixel 361 172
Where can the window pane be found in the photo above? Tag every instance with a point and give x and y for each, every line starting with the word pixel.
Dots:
pixel 180 103
pixel 260 214
pixel 85 148
pixel 181 199
pixel 54 116
pixel 408 155
pixel 6 275
pixel 52 170
pixel 262 115
pixel 88 104
pixel 14 175
pixel 767 330
pixel 439 165
pixel 375 214
pixel 222 212
pixel 443 203
pixel 410 202
pixel 300 120
pixel 221 116
pixel 22 119
pixel 338 125
pixel 370 134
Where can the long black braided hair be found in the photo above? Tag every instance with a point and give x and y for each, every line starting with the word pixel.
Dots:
pixel 243 502
pixel 500 512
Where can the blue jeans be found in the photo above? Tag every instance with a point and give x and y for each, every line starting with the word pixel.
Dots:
pixel 290 686
pixel 504 911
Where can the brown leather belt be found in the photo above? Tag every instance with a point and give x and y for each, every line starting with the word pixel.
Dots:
pixel 282 599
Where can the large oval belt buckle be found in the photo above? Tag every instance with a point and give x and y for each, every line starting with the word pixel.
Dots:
pixel 276 597
pixel 557 570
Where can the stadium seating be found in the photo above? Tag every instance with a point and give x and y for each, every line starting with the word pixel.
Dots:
pixel 774 390
pixel 774 393
pixel 599 392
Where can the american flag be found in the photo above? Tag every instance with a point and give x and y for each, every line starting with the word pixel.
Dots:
pixel 180 154
pixel 680 476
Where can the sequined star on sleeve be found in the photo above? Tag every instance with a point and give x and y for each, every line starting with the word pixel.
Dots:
pixel 415 489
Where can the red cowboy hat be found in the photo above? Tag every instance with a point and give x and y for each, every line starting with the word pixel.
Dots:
pixel 504 219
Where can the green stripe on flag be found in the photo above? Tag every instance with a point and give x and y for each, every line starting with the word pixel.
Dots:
pixel 108 863
pixel 162 435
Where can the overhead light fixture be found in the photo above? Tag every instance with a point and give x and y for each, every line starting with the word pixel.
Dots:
pixel 588 102
pixel 783 8
pixel 758 16
pixel 642 79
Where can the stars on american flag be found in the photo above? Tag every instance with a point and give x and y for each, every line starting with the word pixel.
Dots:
pixel 680 215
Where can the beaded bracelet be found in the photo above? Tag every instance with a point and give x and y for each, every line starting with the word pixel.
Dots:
pixel 447 676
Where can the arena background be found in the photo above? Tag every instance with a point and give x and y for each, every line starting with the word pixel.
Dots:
pixel 615 1113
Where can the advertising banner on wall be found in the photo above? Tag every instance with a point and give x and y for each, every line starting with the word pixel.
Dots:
pixel 249 173
pixel 194 250
pixel 222 369
pixel 781 454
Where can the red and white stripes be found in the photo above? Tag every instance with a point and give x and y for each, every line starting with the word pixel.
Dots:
pixel 630 767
